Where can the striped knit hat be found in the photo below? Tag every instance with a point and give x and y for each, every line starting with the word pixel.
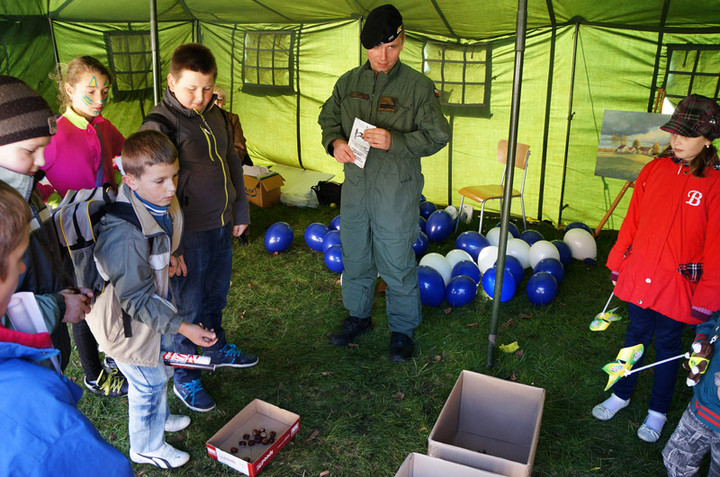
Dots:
pixel 24 114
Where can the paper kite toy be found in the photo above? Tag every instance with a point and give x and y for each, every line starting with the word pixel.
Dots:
pixel 625 360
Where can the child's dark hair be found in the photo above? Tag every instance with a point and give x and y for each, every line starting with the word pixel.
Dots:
pixel 14 224
pixel 146 148
pixel 76 68
pixel 708 157
pixel 193 57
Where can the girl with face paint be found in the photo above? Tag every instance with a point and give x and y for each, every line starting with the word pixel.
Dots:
pixel 80 156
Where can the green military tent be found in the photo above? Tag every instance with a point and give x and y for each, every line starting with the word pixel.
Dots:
pixel 279 59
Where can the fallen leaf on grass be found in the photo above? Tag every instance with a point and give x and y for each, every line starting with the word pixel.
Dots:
pixel 338 282
pixel 447 310
pixel 326 373
pixel 73 379
pixel 472 325
pixel 525 316
pixel 508 323
pixel 423 428
pixel 112 436
pixel 324 473
pixel 513 377
pixel 437 358
pixel 353 345
pixel 519 353
pixel 381 287
pixel 314 434
pixel 510 348
pixel 399 395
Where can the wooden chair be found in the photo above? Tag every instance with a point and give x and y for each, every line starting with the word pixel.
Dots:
pixel 484 193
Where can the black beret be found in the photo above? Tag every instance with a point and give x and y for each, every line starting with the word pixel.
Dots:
pixel 383 25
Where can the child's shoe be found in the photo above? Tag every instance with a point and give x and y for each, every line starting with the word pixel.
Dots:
pixel 651 428
pixel 607 409
pixel 231 355
pixel 176 423
pixel 111 384
pixel 194 396
pixel 166 457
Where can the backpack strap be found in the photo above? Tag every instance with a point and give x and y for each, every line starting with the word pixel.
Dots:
pixel 165 122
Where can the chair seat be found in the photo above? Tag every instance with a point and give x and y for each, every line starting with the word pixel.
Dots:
pixel 481 193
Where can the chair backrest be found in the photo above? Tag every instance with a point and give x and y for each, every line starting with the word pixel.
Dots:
pixel 522 153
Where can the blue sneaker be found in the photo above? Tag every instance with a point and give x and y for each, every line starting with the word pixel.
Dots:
pixel 231 355
pixel 194 396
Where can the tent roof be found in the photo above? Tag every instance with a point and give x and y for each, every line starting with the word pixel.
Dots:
pixel 469 19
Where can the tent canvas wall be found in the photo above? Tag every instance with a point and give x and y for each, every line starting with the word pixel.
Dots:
pixel 605 55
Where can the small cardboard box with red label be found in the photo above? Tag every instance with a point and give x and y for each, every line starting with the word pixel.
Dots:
pixel 251 459
pixel 261 186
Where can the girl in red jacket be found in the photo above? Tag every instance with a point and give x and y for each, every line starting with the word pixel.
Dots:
pixel 666 263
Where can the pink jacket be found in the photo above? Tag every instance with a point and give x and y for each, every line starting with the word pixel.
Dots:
pixel 667 257
pixel 73 156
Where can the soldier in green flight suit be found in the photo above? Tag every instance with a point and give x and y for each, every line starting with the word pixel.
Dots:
pixel 379 204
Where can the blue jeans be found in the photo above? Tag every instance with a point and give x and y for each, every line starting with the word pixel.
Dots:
pixel 147 405
pixel 644 323
pixel 202 294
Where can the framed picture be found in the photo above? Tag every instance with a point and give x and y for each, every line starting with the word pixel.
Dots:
pixel 628 141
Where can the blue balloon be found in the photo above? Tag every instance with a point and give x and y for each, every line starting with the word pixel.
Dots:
pixel 278 237
pixel 422 197
pixel 439 226
pixel 335 223
pixel 427 208
pixel 472 242
pixel 541 288
pixel 577 225
pixel 514 267
pixel 431 285
pixel 508 285
pixel 461 290
pixel 421 244
pixel 512 229
pixel 467 268
pixel 551 266
pixel 314 235
pixel 565 252
pixel 333 258
pixel 423 224
pixel 531 236
pixel 331 238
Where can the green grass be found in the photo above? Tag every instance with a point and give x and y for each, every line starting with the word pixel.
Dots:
pixel 282 307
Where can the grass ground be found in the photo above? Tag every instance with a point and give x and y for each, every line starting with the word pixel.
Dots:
pixel 354 422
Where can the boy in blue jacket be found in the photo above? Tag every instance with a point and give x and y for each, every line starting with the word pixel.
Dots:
pixel 699 428
pixel 44 433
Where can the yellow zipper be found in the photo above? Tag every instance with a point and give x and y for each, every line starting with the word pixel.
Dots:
pixel 212 145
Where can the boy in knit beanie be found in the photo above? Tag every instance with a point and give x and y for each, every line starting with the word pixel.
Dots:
pixel 26 124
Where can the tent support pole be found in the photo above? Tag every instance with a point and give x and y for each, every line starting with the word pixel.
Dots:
pixel 569 124
pixel 548 103
pixel 656 69
pixel 509 173
pixel 55 48
pixel 155 52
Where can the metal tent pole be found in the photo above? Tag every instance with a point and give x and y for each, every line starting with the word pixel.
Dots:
pixel 155 51
pixel 509 173
pixel 569 123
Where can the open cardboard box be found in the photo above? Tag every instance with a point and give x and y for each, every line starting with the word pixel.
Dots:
pixel 420 465
pixel 263 190
pixel 490 424
pixel 256 415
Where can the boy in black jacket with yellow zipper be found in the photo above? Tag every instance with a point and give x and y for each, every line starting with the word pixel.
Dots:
pixel 211 192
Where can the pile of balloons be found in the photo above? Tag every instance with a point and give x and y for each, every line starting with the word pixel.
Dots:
pixel 326 239
pixel 453 278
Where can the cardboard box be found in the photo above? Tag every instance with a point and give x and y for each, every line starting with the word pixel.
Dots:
pixel 263 190
pixel 490 424
pixel 250 460
pixel 420 465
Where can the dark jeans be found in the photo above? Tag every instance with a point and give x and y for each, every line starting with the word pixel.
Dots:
pixel 87 350
pixel 644 323
pixel 202 294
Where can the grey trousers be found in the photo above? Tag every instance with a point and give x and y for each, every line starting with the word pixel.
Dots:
pixel 687 446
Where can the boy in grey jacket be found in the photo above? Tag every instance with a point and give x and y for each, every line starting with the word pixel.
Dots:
pixel 135 253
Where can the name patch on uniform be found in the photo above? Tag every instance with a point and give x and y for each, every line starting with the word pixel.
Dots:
pixel 387 104
pixel 360 96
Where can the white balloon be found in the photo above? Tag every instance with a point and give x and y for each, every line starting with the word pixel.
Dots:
pixel 493 236
pixel 456 255
pixel 487 258
pixel 581 243
pixel 450 209
pixel 519 249
pixel 439 263
pixel 540 250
